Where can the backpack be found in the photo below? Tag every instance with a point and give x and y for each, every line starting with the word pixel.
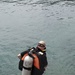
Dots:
pixel 20 65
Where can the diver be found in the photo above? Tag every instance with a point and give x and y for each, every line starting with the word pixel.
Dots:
pixel 38 56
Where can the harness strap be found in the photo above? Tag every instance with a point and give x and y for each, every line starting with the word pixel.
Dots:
pixel 27 68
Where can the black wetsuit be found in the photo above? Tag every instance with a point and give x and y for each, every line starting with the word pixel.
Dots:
pixel 42 61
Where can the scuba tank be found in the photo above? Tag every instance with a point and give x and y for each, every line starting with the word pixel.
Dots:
pixel 27 64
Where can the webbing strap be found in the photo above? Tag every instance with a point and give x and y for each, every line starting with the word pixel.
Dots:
pixel 27 68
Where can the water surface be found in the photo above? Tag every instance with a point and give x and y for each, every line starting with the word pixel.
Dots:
pixel 25 22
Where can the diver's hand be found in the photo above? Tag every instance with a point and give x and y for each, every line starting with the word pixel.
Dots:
pixel 31 53
pixel 19 56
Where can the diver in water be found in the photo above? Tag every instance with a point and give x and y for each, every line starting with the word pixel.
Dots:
pixel 39 58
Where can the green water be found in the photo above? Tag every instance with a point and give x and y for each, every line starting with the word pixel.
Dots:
pixel 23 23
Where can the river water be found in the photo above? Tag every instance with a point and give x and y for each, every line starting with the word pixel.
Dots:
pixel 25 22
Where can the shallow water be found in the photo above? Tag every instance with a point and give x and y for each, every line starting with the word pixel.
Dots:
pixel 24 22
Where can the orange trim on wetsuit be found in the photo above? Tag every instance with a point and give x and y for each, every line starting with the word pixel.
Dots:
pixel 36 60
pixel 24 56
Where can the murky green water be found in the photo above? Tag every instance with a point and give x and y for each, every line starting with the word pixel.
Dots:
pixel 24 22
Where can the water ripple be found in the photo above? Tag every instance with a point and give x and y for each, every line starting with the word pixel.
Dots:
pixel 43 2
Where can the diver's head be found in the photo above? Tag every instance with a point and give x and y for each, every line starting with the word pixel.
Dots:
pixel 41 45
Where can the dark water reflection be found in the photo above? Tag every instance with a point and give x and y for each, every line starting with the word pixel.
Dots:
pixel 46 2
pixel 24 22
